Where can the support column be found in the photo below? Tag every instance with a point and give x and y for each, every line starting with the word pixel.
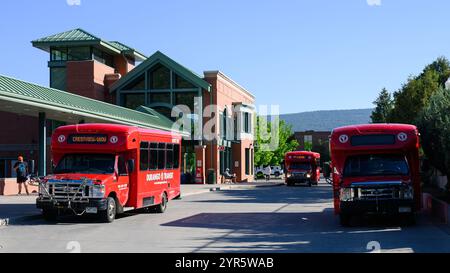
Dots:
pixel 200 172
pixel 42 145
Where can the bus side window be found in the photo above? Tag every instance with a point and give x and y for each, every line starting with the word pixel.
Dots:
pixel 122 167
pixel 169 156
pixel 161 156
pixel 176 156
pixel 153 156
pixel 144 158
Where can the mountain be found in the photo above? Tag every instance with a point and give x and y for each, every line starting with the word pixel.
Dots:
pixel 326 120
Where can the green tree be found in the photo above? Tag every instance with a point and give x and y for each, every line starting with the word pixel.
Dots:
pixel 384 106
pixel 434 125
pixel 415 94
pixel 286 142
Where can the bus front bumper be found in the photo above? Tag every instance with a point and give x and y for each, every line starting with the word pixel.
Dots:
pixel 78 206
pixel 386 207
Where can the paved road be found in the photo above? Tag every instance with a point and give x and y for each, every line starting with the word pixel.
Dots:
pixel 275 219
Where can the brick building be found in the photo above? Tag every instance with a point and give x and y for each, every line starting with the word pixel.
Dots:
pixel 315 141
pixel 83 64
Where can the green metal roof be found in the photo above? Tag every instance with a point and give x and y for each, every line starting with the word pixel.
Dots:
pixel 81 37
pixel 156 58
pixel 28 94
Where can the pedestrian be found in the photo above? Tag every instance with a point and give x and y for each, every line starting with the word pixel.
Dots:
pixel 268 172
pixel 21 169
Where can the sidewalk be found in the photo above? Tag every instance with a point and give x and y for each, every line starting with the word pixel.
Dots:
pixel 20 208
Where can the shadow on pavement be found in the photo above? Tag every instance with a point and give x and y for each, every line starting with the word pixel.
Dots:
pixel 292 233
pixel 292 195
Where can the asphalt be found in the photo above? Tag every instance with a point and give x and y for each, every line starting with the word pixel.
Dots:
pixel 235 220
pixel 19 208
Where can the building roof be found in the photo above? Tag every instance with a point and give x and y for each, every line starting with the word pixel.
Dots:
pixel 25 98
pixel 220 73
pixel 159 57
pixel 80 37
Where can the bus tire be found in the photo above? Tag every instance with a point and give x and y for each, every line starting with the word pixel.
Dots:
pixel 161 208
pixel 50 215
pixel 109 215
pixel 345 219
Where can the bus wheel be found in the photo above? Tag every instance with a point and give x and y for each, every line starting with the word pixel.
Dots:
pixel 161 208
pixel 345 219
pixel 109 214
pixel 50 215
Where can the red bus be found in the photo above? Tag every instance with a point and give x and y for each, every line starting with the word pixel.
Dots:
pixel 107 169
pixel 302 167
pixel 375 170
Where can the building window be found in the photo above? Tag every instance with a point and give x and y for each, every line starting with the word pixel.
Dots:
pixel 247 123
pixel 103 57
pixel 79 53
pixel 308 142
pixel 247 161
pixel 160 97
pixel 133 101
pixel 180 83
pixel 160 77
pixel 185 98
pixel 137 84
pixel 144 158
pixel 58 54
pixel 58 76
pixel 252 163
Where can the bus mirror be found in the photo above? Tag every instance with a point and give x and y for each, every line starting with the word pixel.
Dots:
pixel 326 170
pixel 130 165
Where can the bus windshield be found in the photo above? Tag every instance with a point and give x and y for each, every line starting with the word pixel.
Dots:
pixel 300 166
pixel 86 163
pixel 376 165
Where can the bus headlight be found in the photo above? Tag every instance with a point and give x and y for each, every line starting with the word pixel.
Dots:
pixel 288 175
pixel 97 191
pixel 308 175
pixel 346 194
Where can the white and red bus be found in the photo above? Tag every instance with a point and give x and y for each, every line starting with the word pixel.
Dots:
pixel 107 169
pixel 375 170
pixel 302 167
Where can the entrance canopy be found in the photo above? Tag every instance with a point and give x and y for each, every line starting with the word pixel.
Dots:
pixel 29 99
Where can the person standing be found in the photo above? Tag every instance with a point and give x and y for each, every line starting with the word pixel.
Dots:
pixel 268 172
pixel 21 169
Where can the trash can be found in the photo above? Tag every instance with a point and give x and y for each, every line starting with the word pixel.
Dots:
pixel 211 176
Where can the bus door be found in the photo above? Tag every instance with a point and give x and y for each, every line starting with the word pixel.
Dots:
pixel 123 180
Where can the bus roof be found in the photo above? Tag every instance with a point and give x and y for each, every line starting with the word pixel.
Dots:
pixel 375 128
pixel 306 153
pixel 116 128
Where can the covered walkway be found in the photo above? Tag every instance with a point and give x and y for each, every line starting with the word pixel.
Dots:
pixel 29 99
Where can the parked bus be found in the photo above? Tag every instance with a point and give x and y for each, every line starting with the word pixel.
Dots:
pixel 107 169
pixel 302 167
pixel 375 170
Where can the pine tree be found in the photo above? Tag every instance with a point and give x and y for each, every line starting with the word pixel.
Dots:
pixel 383 108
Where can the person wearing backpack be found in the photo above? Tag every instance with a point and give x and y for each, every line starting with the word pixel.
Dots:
pixel 21 169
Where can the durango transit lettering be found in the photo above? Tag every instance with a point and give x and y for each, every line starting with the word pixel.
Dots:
pixel 159 177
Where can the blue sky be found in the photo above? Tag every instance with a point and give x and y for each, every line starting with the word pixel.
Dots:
pixel 302 55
